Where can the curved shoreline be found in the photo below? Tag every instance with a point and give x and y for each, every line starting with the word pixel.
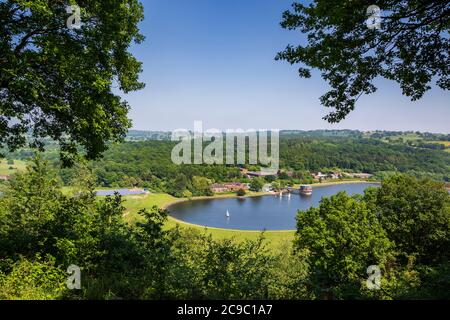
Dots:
pixel 258 194
pixel 231 230
pixel 326 184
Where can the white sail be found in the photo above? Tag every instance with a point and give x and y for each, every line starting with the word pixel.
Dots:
pixel 227 214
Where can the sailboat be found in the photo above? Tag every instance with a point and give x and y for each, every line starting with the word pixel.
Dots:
pixel 227 214
pixel 306 190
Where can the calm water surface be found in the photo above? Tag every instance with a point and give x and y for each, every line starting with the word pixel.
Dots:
pixel 256 213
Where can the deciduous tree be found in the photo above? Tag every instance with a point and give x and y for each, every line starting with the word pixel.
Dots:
pixel 58 82
pixel 411 47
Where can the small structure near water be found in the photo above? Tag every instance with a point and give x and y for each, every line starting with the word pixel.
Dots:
pixel 306 190
pixel 228 187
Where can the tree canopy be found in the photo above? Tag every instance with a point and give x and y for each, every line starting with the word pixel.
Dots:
pixel 411 47
pixel 58 82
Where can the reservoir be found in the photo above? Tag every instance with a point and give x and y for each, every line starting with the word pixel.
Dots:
pixel 268 212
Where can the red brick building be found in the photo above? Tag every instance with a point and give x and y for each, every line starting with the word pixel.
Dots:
pixel 228 187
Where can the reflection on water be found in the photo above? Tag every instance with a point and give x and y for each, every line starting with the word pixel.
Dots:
pixel 122 192
pixel 270 212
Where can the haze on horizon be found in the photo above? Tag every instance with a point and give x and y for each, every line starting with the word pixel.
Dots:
pixel 214 61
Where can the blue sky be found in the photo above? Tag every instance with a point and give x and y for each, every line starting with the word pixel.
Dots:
pixel 213 60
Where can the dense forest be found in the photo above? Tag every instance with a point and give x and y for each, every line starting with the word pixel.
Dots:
pixel 148 164
pixel 362 155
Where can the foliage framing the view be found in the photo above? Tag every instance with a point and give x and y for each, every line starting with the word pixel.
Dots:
pixel 44 230
pixel 411 47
